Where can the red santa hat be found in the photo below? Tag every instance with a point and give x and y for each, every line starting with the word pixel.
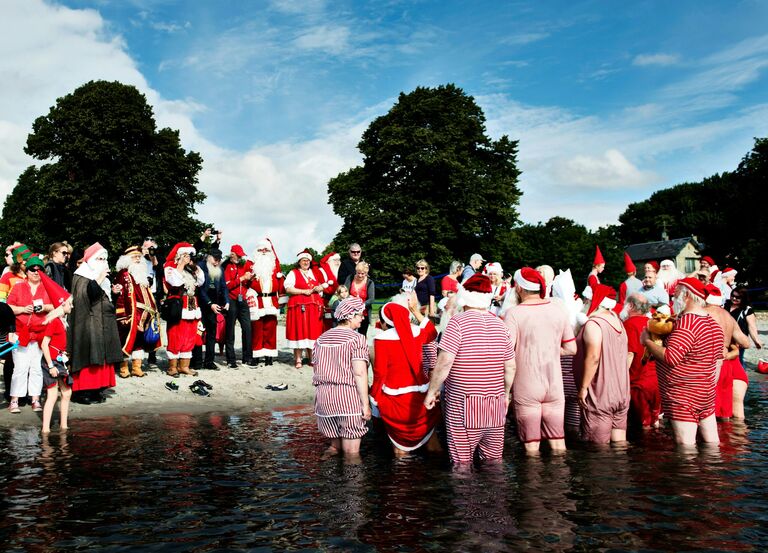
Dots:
pixel 178 250
pixel 327 257
pixel 654 264
pixel 694 285
pixel 709 260
pixel 599 259
pixel 304 254
pixel 475 292
pixel 237 249
pixel 531 280
pixel 629 266
pixel 729 271
pixel 398 316
pixel 602 296
pixel 714 295
pixel 493 268
pixel 93 251
pixel 56 293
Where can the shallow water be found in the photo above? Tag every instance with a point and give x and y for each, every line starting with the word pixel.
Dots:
pixel 255 482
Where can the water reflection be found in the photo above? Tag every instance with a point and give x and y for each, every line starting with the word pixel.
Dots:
pixel 256 480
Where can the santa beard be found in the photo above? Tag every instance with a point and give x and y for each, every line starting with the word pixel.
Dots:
pixel 678 305
pixel 139 272
pixel 263 269
pixel 214 271
pixel 667 276
pixel 624 315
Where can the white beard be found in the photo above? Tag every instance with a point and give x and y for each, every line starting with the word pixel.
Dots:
pixel 214 272
pixel 624 315
pixel 667 276
pixel 263 268
pixel 678 305
pixel 139 272
pixel 334 264
pixel 98 267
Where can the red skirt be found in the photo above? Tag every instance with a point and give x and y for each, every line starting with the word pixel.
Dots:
pixel 724 388
pixel 183 336
pixel 302 328
pixel 407 421
pixel 94 377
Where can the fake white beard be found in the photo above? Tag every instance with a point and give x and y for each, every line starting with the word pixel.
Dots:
pixel 678 304
pixel 666 276
pixel 263 267
pixel 139 272
pixel 624 315
pixel 214 272
pixel 334 264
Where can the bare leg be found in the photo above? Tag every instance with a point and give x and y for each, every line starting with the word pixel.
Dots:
pixel 399 453
pixel 333 449
pixel 739 392
pixel 618 435
pixel 433 445
pixel 50 403
pixel 66 393
pixel 557 446
pixel 685 432
pixel 708 430
pixel 297 357
pixel 532 448
pixel 350 446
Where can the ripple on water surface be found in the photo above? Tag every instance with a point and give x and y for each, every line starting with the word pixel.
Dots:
pixel 256 482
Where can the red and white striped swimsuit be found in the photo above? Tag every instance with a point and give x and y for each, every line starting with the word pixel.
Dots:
pixel 687 374
pixel 474 399
pixel 336 393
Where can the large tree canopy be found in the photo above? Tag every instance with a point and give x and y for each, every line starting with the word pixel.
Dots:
pixel 725 212
pixel 432 185
pixel 112 176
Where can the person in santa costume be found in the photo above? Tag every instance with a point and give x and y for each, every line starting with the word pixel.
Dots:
pixel 304 314
pixel 542 333
pixel 135 310
pixel 92 335
pixel 668 275
pixel 182 279
pixel 399 381
pixel 498 286
pixel 477 364
pixel 631 285
pixel 732 379
pixel 330 264
pixel 265 297
pixel 593 279
pixel 726 282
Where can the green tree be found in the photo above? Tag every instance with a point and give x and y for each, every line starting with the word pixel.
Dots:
pixel 112 176
pixel 725 212
pixel 432 185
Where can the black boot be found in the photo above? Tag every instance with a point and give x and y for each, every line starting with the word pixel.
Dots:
pixel 268 361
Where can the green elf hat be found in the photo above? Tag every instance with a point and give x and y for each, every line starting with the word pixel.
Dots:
pixel 33 260
pixel 21 253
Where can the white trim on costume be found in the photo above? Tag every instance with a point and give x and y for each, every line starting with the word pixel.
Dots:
pixel 406 390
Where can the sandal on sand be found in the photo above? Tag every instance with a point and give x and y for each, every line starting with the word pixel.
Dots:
pixel 13 407
pixel 277 387
pixel 196 388
pixel 172 386
pixel 204 384
pixel 36 407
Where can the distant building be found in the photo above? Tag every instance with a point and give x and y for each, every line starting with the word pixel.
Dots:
pixel 684 252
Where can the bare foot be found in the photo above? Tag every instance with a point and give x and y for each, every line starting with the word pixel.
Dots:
pixel 330 452
pixel 46 430
pixel 63 428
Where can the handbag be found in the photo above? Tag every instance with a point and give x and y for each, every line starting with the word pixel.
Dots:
pixel 170 310
pixel 152 332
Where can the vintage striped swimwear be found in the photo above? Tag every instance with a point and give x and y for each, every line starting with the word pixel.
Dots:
pixel 474 400
pixel 687 374
pixel 336 394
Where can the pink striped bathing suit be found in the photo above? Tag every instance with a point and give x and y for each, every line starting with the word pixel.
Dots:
pixel 687 374
pixel 474 401
pixel 336 395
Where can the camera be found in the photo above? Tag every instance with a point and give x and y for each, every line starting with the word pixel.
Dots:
pixel 37 308
pixel 151 250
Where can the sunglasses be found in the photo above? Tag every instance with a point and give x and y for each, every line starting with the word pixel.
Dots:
pixel 735 297
pixel 421 268
pixel 33 269
pixel 355 251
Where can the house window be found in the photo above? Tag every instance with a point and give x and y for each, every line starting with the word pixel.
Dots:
pixel 690 265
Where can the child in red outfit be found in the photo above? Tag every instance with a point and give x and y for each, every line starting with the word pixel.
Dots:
pixel 55 374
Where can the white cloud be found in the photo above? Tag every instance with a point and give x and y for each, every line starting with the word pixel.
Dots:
pixel 655 59
pixel 610 170
pixel 523 38
pixel 327 38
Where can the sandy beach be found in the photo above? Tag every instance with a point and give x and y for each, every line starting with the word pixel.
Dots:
pixel 234 390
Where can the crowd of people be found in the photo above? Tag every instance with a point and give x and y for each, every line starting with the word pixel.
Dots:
pixel 454 359
pixel 526 348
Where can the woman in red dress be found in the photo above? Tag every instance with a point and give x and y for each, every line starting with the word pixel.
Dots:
pixel 304 314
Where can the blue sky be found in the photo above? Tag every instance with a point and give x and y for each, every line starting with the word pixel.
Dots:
pixel 610 101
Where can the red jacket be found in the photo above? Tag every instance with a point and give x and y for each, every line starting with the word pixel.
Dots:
pixel 232 274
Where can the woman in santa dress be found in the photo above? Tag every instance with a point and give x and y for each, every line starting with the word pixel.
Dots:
pixel 304 314
pixel 399 381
